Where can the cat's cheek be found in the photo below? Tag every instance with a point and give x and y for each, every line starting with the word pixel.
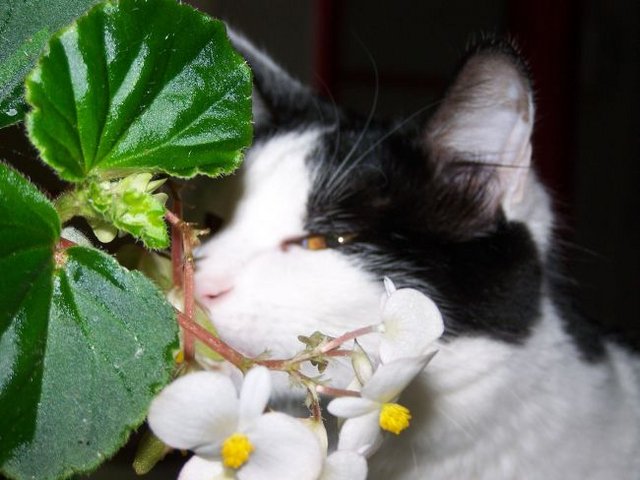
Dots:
pixel 280 295
pixel 252 334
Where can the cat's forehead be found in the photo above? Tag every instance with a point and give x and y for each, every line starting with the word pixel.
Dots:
pixel 276 183
pixel 279 156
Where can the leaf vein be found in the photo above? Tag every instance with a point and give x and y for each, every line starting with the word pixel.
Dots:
pixel 150 101
pixel 173 136
pixel 99 354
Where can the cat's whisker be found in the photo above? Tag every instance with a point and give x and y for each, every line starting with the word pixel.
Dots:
pixel 470 431
pixel 343 169
pixel 398 127
pixel 336 123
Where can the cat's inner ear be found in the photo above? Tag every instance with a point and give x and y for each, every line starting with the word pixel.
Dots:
pixel 278 98
pixel 482 130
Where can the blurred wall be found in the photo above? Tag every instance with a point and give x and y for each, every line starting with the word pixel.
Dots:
pixel 606 260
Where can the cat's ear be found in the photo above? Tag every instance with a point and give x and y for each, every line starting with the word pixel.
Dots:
pixel 479 139
pixel 278 98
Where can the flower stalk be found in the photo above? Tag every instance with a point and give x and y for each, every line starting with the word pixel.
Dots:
pixel 183 268
pixel 337 342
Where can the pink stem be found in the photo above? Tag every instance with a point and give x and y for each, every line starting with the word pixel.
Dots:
pixel 63 244
pixel 183 268
pixel 172 218
pixel 336 342
pixel 176 242
pixel 316 411
pixel 213 342
pixel 189 302
pixel 336 392
pixel 338 353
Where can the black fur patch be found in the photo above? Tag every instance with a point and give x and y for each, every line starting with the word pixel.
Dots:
pixel 486 284
pixel 587 335
pixel 422 222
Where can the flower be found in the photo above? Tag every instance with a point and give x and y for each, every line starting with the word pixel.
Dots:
pixel 198 468
pixel 344 465
pixel 230 436
pixel 411 322
pixel 376 409
pixel 341 464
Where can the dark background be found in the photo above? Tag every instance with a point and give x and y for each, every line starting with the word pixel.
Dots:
pixel 585 59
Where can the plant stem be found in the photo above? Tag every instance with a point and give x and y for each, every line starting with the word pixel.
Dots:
pixel 183 269
pixel 336 342
pixel 312 388
pixel 213 342
pixel 338 353
pixel 172 218
pixel 336 392
pixel 63 244
pixel 289 364
pixel 176 242
pixel 189 303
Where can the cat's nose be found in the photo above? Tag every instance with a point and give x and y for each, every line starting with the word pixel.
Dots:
pixel 208 289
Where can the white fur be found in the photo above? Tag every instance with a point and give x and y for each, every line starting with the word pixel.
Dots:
pixel 276 295
pixel 487 410
pixel 534 210
pixel 483 409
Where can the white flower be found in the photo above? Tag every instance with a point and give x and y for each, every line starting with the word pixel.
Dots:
pixel 376 409
pixel 340 465
pixel 198 468
pixel 344 465
pixel 231 436
pixel 362 367
pixel 411 322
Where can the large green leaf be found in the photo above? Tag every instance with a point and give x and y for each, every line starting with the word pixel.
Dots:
pixel 25 26
pixel 84 343
pixel 140 85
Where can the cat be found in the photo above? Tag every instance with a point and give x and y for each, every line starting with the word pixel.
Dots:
pixel 521 388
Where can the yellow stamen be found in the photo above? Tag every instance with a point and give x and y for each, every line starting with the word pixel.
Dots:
pixel 394 418
pixel 180 357
pixel 236 450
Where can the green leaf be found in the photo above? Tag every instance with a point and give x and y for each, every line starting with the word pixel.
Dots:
pixel 140 86
pixel 84 343
pixel 12 72
pixel 29 228
pixel 25 26
pixel 153 265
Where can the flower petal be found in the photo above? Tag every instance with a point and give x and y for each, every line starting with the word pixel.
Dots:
pixel 412 322
pixel 318 429
pixel 389 286
pixel 390 379
pixel 361 363
pixel 197 468
pixel 284 449
pixel 361 434
pixel 349 407
pixel 344 465
pixel 196 412
pixel 254 395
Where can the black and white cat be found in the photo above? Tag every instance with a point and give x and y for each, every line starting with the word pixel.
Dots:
pixel 521 389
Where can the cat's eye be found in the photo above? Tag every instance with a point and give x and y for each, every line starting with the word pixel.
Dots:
pixel 316 241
